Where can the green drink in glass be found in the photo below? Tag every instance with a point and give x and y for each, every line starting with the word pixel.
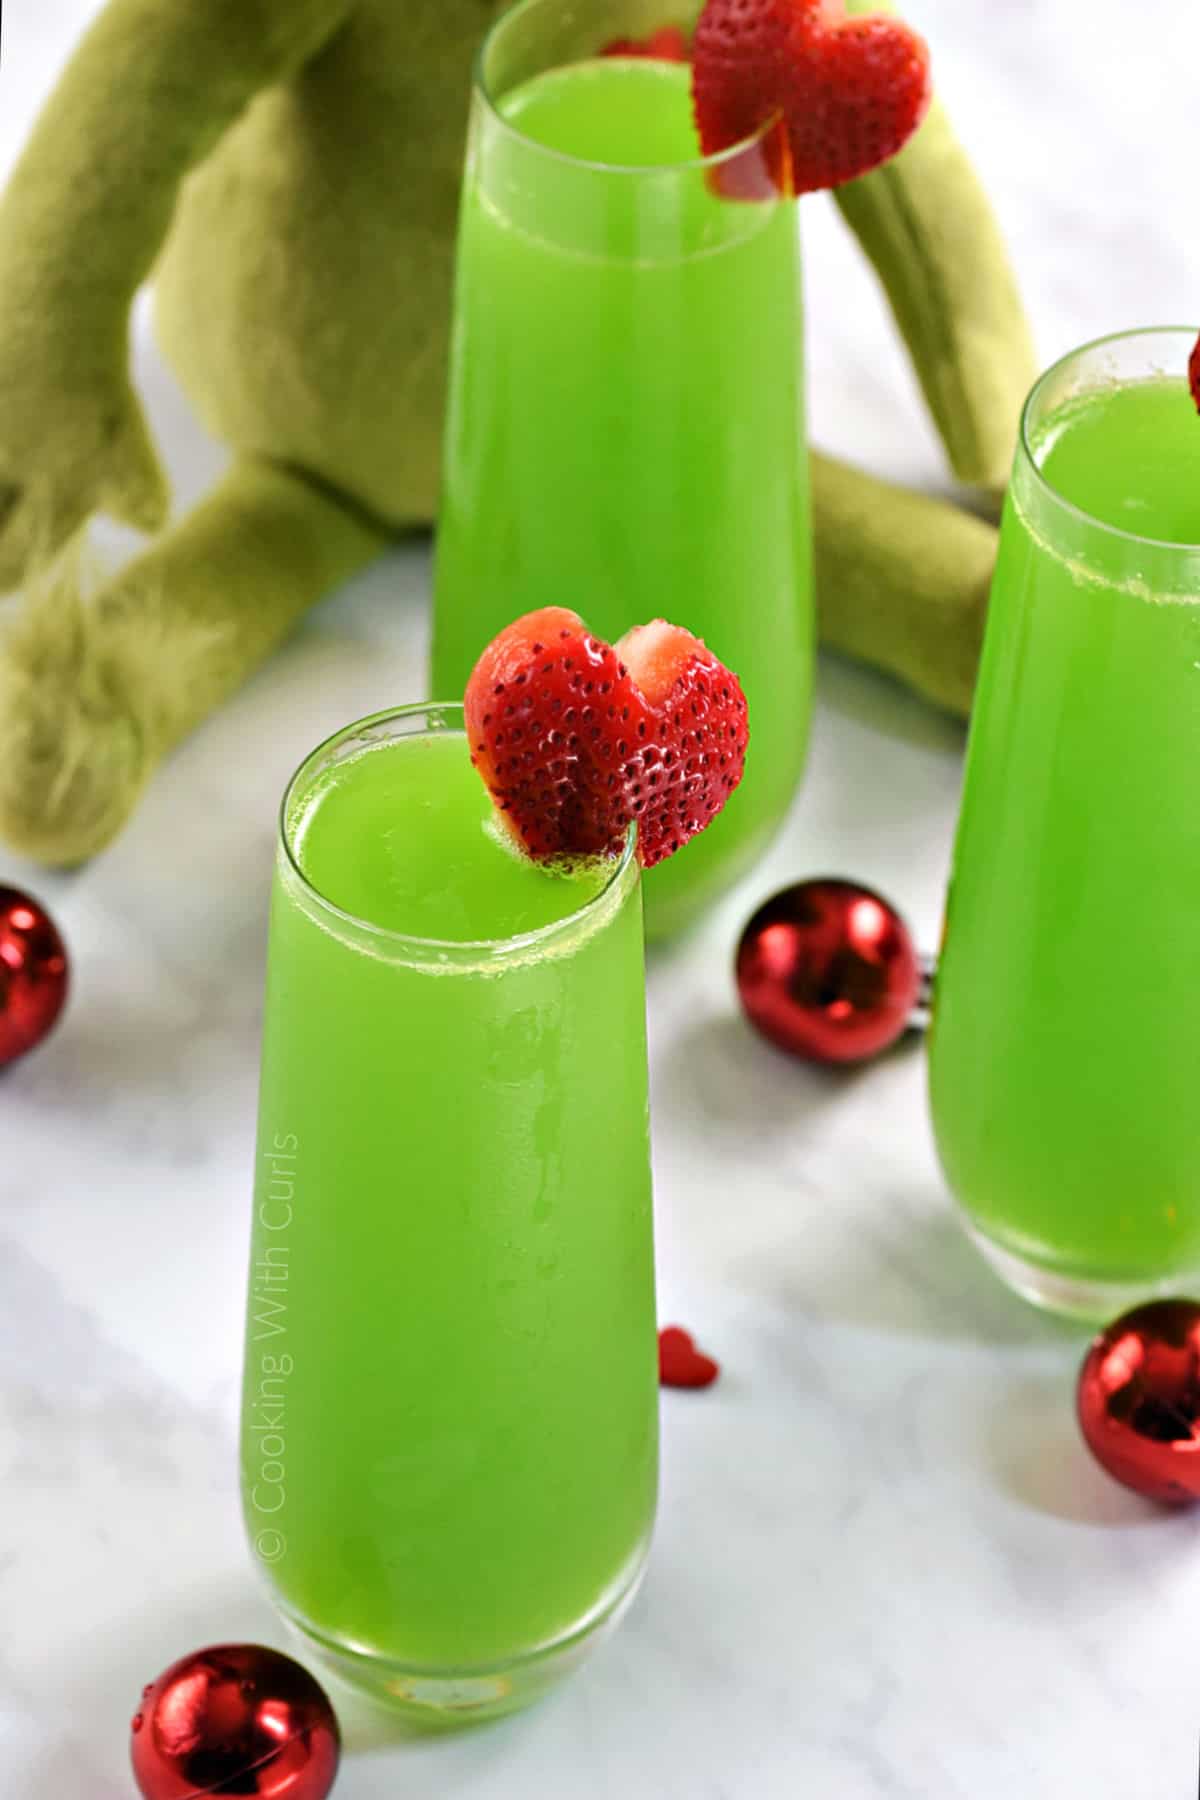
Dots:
pixel 1066 1032
pixel 626 424
pixel 450 1413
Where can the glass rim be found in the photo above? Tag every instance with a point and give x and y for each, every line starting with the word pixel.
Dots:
pixel 422 948
pixel 1189 334
pixel 690 166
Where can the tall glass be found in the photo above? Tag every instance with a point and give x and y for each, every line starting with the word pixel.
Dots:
pixel 626 430
pixel 450 1412
pixel 1066 1035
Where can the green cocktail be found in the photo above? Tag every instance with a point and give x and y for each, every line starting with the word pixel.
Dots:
pixel 1066 1036
pixel 450 1411
pixel 626 426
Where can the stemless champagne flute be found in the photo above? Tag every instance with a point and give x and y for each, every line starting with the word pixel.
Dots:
pixel 449 1443
pixel 1066 1034
pixel 626 430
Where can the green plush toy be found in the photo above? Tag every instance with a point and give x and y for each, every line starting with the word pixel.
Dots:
pixel 293 167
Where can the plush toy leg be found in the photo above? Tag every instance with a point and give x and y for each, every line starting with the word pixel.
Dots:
pixel 94 690
pixel 902 580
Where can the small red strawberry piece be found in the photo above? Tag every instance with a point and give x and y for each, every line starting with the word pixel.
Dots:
pixel 680 1364
pixel 546 707
pixel 1194 374
pixel 695 753
pixel 575 740
pixel 669 44
pixel 851 91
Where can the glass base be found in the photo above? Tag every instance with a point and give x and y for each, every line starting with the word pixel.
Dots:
pixel 434 1699
pixel 1095 1302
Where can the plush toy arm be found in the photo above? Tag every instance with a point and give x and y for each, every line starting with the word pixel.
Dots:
pixel 927 225
pixel 145 97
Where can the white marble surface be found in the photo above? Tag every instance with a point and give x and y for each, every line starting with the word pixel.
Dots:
pixel 884 1566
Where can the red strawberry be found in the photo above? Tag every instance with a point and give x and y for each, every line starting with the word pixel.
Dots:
pixel 576 740
pixel 669 44
pixel 851 90
pixel 680 1364
pixel 1194 374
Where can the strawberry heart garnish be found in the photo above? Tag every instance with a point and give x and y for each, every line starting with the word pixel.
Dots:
pixel 851 91
pixel 1194 374
pixel 669 44
pixel 680 1364
pixel 576 740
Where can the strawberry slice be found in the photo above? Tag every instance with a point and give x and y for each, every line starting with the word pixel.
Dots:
pixel 851 91
pixel 695 754
pixel 669 44
pixel 680 1363
pixel 576 740
pixel 1194 374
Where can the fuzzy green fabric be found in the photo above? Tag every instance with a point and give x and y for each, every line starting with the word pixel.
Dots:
pixel 925 221
pixel 146 96
pixel 96 687
pixel 300 161
pixel 292 167
pixel 927 629
pixel 304 296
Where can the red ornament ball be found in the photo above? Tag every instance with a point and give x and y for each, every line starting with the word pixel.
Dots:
pixel 827 970
pixel 33 974
pixel 1139 1401
pixel 238 1719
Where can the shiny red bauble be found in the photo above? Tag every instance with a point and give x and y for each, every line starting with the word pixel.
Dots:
pixel 1139 1400
pixel 238 1719
pixel 828 971
pixel 33 974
